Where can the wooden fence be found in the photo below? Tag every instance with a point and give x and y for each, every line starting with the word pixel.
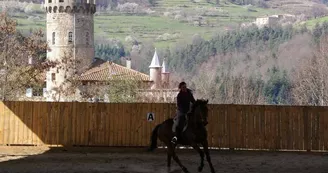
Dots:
pixel 103 124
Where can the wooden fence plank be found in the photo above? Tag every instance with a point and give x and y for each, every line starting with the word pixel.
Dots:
pixel 325 133
pixel 216 126
pixel 104 123
pixel 134 127
pixel 125 124
pixel 35 118
pixel 44 113
pixel 2 123
pixel 298 114
pixel 111 124
pixel 210 127
pixel 7 124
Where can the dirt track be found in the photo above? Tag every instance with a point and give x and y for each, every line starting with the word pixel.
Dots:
pixel 96 160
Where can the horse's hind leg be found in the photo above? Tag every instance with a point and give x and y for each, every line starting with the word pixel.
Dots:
pixel 201 153
pixel 175 157
pixel 169 161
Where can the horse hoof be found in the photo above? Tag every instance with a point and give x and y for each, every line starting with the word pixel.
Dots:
pixel 185 170
pixel 200 169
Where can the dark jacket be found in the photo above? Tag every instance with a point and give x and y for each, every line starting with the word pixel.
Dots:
pixel 184 99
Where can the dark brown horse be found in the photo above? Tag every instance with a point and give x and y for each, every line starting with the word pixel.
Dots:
pixel 194 135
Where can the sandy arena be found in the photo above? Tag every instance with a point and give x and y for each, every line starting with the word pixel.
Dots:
pixel 101 160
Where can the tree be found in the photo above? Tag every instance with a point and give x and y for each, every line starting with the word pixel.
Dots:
pixel 277 87
pixel 319 10
pixel 122 89
pixel 310 78
pixel 16 73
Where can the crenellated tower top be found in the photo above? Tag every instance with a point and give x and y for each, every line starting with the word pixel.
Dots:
pixel 70 6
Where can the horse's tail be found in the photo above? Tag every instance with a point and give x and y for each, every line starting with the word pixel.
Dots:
pixel 153 141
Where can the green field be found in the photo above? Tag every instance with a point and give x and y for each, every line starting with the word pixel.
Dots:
pixel 148 27
pixel 311 23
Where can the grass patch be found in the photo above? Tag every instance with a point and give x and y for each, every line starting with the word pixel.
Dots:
pixel 311 23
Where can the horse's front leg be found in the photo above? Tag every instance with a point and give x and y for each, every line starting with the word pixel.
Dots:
pixel 172 153
pixel 208 158
pixel 201 153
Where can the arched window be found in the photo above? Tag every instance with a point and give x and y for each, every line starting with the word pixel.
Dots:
pixel 61 0
pixel 49 1
pixel 53 76
pixel 87 38
pixel 53 38
pixel 70 37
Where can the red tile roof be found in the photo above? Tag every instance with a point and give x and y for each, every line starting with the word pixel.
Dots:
pixel 109 70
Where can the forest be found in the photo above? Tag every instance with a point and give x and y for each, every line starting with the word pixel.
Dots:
pixel 281 65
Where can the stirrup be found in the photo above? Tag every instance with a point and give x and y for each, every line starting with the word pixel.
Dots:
pixel 174 140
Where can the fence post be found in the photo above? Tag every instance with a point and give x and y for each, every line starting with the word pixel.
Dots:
pixel 230 112
pixel 306 137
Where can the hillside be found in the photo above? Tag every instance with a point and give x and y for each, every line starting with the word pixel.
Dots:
pixel 164 23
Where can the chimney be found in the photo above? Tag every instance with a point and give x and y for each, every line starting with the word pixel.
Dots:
pixel 128 63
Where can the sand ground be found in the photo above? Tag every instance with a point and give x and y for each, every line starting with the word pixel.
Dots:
pixel 136 160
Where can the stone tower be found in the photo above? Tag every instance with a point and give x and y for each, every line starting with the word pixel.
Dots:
pixel 155 72
pixel 70 36
pixel 165 75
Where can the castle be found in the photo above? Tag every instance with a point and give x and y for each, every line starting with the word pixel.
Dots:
pixel 70 36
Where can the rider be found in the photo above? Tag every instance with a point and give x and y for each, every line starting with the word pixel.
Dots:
pixel 184 98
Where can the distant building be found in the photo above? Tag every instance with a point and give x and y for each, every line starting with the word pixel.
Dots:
pixel 271 21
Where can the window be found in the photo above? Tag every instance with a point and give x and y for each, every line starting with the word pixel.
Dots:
pixel 61 0
pixel 53 76
pixel 37 91
pixel 87 38
pixel 49 1
pixel 53 38
pixel 29 92
pixel 30 60
pixel 70 37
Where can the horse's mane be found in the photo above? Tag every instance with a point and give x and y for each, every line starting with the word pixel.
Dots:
pixel 197 103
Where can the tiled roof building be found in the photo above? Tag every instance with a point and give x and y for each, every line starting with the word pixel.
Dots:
pixel 155 86
pixel 109 71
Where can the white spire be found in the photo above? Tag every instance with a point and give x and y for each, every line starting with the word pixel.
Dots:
pixel 164 70
pixel 155 62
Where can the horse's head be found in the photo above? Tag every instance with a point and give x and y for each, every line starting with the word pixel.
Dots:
pixel 200 111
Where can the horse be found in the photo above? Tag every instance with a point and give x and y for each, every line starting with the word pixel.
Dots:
pixel 193 135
